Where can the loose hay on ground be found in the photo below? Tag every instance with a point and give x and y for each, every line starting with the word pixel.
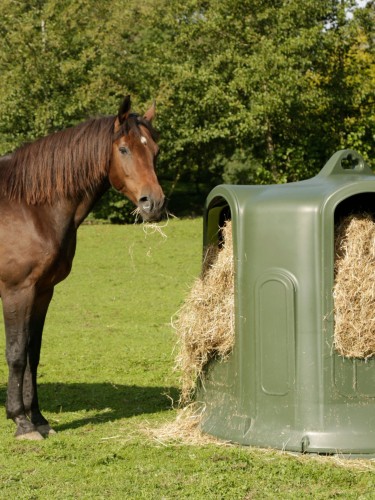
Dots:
pixel 184 430
pixel 205 323
pixel 354 289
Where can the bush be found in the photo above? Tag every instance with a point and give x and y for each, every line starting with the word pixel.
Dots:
pixel 113 207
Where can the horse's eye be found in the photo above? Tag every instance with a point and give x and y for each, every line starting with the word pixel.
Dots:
pixel 124 150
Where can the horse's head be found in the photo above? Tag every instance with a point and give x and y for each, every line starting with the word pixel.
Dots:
pixel 132 167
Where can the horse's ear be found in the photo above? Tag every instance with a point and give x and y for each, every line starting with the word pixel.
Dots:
pixel 150 113
pixel 124 110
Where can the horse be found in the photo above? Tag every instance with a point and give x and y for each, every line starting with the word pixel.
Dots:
pixel 47 188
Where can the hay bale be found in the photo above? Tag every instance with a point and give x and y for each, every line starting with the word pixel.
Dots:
pixel 205 324
pixel 354 288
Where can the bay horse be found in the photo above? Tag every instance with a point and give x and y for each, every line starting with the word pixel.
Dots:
pixel 47 188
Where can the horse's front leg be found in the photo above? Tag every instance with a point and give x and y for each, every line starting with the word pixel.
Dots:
pixel 30 392
pixel 17 310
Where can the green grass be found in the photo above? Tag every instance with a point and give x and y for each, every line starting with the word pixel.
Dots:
pixel 106 374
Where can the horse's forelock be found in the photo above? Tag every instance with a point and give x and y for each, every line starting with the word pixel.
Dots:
pixel 132 123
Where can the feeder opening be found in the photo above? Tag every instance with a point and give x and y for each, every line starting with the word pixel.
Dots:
pixel 218 215
pixel 354 277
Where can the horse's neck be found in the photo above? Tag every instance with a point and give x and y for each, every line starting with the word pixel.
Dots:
pixel 84 206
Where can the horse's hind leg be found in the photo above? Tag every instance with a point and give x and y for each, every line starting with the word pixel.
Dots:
pixel 17 309
pixel 30 392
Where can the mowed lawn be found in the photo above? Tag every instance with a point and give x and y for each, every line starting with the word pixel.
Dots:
pixel 107 379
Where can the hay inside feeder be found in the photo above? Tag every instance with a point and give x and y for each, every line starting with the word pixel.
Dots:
pixel 205 324
pixel 354 289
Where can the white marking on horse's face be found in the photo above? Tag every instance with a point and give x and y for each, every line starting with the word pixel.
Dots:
pixel 143 140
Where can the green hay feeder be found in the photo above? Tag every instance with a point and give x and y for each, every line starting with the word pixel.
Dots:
pixel 284 386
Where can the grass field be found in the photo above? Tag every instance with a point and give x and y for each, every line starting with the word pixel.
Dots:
pixel 106 379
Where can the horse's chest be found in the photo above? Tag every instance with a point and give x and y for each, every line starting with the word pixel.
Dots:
pixel 34 259
pixel 57 263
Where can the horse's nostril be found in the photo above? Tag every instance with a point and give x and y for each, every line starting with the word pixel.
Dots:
pixel 145 203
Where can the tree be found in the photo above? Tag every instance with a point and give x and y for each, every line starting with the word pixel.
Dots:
pixel 256 90
pixel 247 91
pixel 57 66
pixel 358 69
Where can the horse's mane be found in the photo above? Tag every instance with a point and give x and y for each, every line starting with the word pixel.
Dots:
pixel 69 163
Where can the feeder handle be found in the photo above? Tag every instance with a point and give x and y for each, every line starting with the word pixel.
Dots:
pixel 346 161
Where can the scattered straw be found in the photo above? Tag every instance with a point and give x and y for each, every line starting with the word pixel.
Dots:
pixel 205 323
pixel 354 289
pixel 184 430
pixel 152 227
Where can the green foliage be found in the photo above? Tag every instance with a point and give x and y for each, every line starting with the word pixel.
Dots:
pixel 279 86
pixel 53 68
pixel 106 376
pixel 113 207
pixel 260 80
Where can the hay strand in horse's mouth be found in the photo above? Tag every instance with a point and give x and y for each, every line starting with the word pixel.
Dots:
pixel 152 227
pixel 137 214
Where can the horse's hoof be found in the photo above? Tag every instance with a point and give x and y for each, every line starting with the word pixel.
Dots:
pixel 30 436
pixel 45 430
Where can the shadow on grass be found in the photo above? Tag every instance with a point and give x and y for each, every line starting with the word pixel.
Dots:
pixel 113 402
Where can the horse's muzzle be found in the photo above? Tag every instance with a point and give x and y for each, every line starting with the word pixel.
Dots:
pixel 152 210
